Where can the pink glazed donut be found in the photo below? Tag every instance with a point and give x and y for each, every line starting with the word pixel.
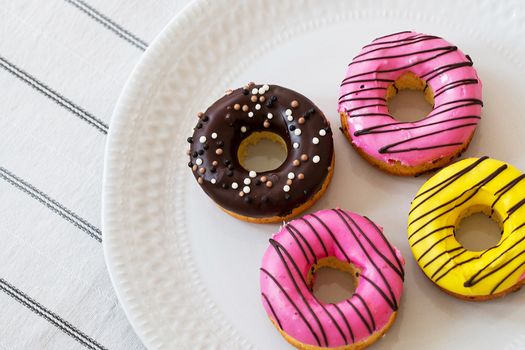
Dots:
pixel 409 60
pixel 342 240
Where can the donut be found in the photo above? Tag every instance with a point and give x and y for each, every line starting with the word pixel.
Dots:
pixel 471 185
pixel 409 60
pixel 243 117
pixel 342 240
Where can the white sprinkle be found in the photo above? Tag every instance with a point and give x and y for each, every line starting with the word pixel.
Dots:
pixel 297 132
pixel 213 181
pixel 250 114
pixel 246 189
pixel 291 175
pixel 316 159
pixel 214 135
pixel 261 90
pixel 269 116
pixel 198 161
pixel 257 106
pixel 315 140
pixel 255 91
pixel 235 185
pixel 243 129
pixel 202 139
pixel 290 118
pixel 266 87
pixel 247 181
pixel 286 188
pixel 288 112
pixel 252 174
pixel 322 132
pixel 295 145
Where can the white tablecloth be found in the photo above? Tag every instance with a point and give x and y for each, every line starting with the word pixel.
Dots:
pixel 63 64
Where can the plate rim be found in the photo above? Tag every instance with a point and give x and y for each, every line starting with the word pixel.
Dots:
pixel 111 264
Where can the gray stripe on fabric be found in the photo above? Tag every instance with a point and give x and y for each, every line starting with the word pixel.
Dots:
pixel 109 24
pixel 49 316
pixel 54 95
pixel 51 204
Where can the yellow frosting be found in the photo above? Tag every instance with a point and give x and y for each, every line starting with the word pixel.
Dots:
pixel 471 185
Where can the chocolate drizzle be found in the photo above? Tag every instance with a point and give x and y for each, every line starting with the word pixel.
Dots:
pixel 472 191
pixel 445 183
pixel 444 48
pixel 273 311
pixel 429 234
pixel 441 254
pixel 374 129
pixel 366 81
pixel 434 245
pixel 390 35
pixel 292 233
pixel 472 280
pixel 372 321
pixel 360 315
pixel 436 279
pixel 366 106
pixel 501 192
pixel 401 42
pixel 363 99
pixel 361 90
pixel 232 119
pixel 453 85
pixel 280 249
pixel 443 69
pixel 343 317
pixel 399 270
pixel 287 296
pixel 315 233
pixel 387 148
pixel 405 67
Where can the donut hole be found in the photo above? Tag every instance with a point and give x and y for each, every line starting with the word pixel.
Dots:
pixel 409 98
pixel 477 230
pixel 262 151
pixel 332 280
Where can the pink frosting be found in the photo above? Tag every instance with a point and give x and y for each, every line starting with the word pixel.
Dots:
pixel 457 95
pixel 348 237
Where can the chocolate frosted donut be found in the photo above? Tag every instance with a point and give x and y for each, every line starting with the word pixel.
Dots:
pixel 248 114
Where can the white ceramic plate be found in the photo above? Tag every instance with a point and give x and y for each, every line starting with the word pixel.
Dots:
pixel 185 272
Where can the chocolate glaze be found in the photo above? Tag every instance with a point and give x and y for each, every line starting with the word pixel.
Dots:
pixel 232 124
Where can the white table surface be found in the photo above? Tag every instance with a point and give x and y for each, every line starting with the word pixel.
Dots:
pixel 64 63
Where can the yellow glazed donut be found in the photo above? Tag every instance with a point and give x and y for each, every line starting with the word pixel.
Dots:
pixel 468 186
